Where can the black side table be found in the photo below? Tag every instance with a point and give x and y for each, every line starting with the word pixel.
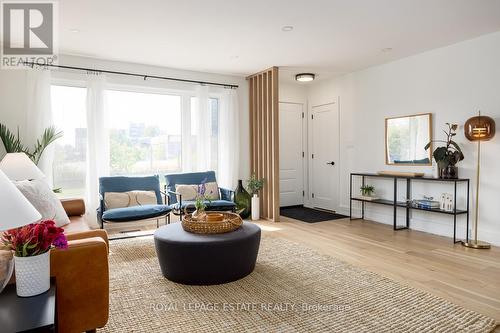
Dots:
pixel 31 314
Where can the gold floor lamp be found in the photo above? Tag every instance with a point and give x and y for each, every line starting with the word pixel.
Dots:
pixel 479 128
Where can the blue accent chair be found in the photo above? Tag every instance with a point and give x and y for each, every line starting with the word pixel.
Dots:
pixel 225 203
pixel 134 213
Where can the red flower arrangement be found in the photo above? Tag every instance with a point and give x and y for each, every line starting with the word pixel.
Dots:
pixel 34 239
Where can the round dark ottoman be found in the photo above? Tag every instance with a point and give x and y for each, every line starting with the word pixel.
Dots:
pixel 206 259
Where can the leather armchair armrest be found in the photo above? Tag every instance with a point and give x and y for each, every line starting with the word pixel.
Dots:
pixel 82 279
pixel 89 234
pixel 74 207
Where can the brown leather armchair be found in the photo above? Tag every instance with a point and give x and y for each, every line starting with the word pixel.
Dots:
pixel 81 274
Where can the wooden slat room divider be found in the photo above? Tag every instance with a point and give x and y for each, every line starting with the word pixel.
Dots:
pixel 264 138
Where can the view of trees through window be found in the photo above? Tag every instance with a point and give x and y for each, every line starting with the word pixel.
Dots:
pixel 145 134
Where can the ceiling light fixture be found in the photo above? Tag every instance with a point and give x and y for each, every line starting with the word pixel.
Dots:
pixel 305 77
pixel 287 28
pixel 74 31
pixel 386 49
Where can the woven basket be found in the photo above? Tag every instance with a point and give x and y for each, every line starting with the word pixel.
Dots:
pixel 213 223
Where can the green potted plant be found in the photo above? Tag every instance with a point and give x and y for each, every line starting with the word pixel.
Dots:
pixel 255 185
pixel 449 155
pixel 367 192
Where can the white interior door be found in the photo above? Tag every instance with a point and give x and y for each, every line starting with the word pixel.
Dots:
pixel 291 159
pixel 324 176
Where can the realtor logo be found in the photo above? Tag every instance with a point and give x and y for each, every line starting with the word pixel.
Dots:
pixel 28 33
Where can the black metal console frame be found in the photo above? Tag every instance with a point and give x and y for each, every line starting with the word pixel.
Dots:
pixel 407 205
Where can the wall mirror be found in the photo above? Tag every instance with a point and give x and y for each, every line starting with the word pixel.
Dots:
pixel 405 139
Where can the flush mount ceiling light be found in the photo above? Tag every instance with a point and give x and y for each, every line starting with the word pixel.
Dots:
pixel 305 77
pixel 287 28
pixel 75 31
pixel 387 49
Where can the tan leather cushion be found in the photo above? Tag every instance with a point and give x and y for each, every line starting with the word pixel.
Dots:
pixel 128 199
pixel 77 224
pixel 189 192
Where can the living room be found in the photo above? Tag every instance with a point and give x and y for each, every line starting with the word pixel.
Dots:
pixel 318 166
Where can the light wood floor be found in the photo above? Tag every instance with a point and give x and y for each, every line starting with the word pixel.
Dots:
pixel 467 277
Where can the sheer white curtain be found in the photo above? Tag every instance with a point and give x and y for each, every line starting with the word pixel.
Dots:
pixel 229 143
pixel 203 130
pixel 39 116
pixel 97 140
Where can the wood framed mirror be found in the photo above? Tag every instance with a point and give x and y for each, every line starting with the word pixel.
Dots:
pixel 405 139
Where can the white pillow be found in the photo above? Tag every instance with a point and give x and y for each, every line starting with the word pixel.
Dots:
pixel 129 199
pixel 189 192
pixel 44 200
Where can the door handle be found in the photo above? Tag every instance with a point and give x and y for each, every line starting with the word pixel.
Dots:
pixel 331 163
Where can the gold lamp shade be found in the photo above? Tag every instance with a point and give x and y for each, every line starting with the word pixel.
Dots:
pixel 479 128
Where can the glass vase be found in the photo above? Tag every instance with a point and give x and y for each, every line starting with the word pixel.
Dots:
pixel 243 200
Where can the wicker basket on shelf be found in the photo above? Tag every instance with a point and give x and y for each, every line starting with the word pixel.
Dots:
pixel 212 223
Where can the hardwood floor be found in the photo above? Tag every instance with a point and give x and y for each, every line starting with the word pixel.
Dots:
pixel 467 277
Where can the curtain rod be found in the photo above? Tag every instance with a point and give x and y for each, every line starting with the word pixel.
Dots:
pixel 232 86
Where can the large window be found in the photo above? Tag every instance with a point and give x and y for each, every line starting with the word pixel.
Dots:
pixel 145 133
pixel 68 109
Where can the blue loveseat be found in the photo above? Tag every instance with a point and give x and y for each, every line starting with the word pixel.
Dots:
pixel 225 203
pixel 133 213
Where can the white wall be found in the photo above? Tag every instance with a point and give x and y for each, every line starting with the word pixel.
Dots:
pixel 13 97
pixel 453 83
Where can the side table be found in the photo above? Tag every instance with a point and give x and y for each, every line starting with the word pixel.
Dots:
pixel 32 314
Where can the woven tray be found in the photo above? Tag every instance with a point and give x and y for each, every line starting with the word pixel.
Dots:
pixel 213 223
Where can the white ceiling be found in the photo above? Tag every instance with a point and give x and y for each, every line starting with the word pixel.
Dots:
pixel 244 36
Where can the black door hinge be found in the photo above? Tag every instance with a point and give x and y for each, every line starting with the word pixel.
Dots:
pixel 303 193
pixel 302 154
pixel 312 155
pixel 312 116
pixel 302 115
pixel 312 195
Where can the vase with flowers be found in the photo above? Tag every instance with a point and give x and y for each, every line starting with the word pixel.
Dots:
pixel 200 203
pixel 255 185
pixel 31 246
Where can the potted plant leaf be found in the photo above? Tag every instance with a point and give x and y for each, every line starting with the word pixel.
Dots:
pixel 448 155
pixel 255 185
pixel 367 192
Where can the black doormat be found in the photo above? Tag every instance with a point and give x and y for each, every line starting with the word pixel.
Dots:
pixel 309 215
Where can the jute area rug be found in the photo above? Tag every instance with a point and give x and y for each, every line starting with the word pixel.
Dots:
pixel 293 289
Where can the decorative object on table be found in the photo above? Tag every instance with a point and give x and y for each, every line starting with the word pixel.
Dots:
pixel 479 128
pixel 400 173
pixel 31 245
pixel 426 203
pixel 243 200
pixel 405 137
pixel 13 144
pixel 15 211
pixel 255 185
pixel 367 192
pixel 449 202
pixel 212 223
pixel 442 201
pixel 199 203
pixel 449 155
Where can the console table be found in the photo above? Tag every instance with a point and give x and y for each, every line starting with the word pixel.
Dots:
pixel 407 205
